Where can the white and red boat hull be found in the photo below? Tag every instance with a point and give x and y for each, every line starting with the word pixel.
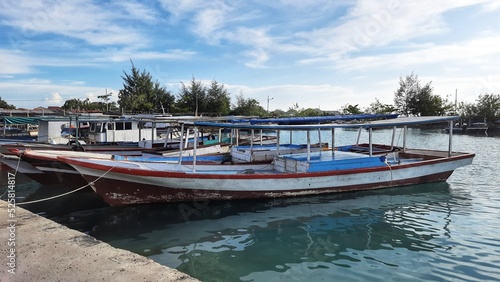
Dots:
pixel 122 185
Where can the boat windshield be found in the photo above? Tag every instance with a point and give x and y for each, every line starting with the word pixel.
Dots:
pixel 96 127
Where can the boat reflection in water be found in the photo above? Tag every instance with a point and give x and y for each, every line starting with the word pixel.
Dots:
pixel 335 236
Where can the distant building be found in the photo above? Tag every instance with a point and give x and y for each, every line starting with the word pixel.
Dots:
pixel 39 111
pixel 55 109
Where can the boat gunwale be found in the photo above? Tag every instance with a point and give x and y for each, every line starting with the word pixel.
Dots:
pixel 256 175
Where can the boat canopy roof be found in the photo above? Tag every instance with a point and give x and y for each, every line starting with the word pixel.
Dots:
pixel 385 123
pixel 315 119
pixel 20 120
pixel 190 119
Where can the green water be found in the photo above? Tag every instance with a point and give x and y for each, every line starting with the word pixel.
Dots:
pixel 434 232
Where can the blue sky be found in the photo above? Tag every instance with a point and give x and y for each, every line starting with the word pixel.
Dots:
pixel 317 53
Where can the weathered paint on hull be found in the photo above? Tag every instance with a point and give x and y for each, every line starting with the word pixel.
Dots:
pixel 122 189
pixel 118 193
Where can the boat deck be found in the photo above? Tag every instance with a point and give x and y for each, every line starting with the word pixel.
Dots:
pixel 326 156
pixel 263 153
pixel 324 161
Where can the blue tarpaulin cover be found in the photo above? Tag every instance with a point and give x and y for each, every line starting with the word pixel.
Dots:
pixel 315 119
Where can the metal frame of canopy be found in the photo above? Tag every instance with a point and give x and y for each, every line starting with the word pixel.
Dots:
pixel 387 123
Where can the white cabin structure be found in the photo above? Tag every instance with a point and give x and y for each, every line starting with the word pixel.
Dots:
pixel 119 131
pixel 91 130
pixel 49 130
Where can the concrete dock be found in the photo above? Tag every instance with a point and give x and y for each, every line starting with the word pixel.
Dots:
pixel 34 248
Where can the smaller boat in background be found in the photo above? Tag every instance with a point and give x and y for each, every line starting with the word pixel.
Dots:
pixel 473 128
pixel 15 134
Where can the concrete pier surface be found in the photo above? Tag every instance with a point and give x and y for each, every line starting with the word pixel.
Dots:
pixel 34 248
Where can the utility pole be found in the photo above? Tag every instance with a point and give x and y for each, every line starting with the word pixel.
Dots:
pixel 456 94
pixel 196 101
pixel 268 99
pixel 106 100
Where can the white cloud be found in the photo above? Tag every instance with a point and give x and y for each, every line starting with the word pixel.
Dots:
pixel 380 23
pixel 75 19
pixel 179 8
pixel 14 62
pixel 126 54
pixel 91 96
pixel 367 24
pixel 55 99
pixel 324 96
pixel 18 62
pixel 138 11
pixel 491 6
pixel 77 82
pixel 476 51
pixel 41 92
pixel 259 58
pixel 208 21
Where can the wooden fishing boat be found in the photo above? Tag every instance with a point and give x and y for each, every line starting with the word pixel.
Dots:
pixel 346 168
pixel 39 161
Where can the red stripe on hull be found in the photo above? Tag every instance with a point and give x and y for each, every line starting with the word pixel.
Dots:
pixel 118 193
pixel 159 173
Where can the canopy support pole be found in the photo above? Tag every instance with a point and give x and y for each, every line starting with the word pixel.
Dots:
pixel 252 136
pixel 308 145
pixel 180 143
pixel 195 146
pixel 333 140
pixel 277 142
pixel 393 137
pixel 450 138
pixel 319 139
pixel 405 131
pixel 370 142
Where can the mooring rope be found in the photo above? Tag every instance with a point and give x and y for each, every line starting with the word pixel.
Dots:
pixel 67 193
pixel 390 168
pixel 17 166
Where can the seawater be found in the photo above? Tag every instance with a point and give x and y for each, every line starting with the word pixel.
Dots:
pixel 444 231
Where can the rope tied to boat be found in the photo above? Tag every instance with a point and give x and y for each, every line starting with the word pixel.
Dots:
pixel 67 193
pixel 11 157
pixel 390 168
